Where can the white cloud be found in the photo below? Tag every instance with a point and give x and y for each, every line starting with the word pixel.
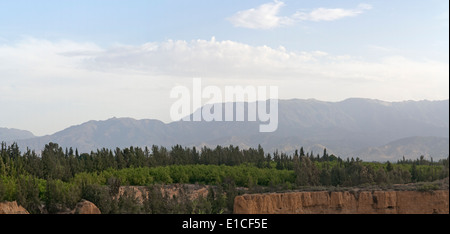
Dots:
pixel 40 64
pixel 331 14
pixel 262 17
pixel 56 82
pixel 267 15
pixel 229 59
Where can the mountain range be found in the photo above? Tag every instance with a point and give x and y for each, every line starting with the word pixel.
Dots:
pixel 365 128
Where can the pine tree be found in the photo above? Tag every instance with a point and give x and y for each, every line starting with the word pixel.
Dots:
pixel 414 173
pixel 325 155
pixel 389 166
pixel 302 152
pixel 2 168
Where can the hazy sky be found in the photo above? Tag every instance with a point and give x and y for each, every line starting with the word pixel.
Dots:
pixel 64 62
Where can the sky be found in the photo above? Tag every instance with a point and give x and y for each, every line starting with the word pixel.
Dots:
pixel 66 62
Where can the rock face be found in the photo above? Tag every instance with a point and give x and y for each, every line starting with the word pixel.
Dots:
pixel 192 191
pixel 12 208
pixel 360 202
pixel 86 207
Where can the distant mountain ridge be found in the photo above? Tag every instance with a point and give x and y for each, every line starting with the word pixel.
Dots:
pixel 11 134
pixel 345 128
pixel 410 146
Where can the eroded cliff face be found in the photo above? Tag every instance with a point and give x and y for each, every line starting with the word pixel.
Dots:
pixel 82 207
pixel 190 190
pixel 11 208
pixel 359 202
pixel 86 207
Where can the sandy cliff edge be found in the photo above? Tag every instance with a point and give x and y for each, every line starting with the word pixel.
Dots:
pixel 361 202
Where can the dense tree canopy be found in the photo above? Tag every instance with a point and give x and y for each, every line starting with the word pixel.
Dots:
pixel 58 178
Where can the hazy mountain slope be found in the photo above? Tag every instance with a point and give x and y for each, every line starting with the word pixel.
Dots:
pixel 342 127
pixel 7 134
pixel 411 148
pixel 111 133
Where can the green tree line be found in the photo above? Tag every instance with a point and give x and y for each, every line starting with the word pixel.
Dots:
pixel 57 179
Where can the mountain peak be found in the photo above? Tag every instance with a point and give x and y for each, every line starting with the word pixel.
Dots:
pixel 11 134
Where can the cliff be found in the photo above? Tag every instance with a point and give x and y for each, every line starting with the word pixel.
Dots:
pixel 82 207
pixel 192 191
pixel 11 208
pixel 86 207
pixel 358 202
